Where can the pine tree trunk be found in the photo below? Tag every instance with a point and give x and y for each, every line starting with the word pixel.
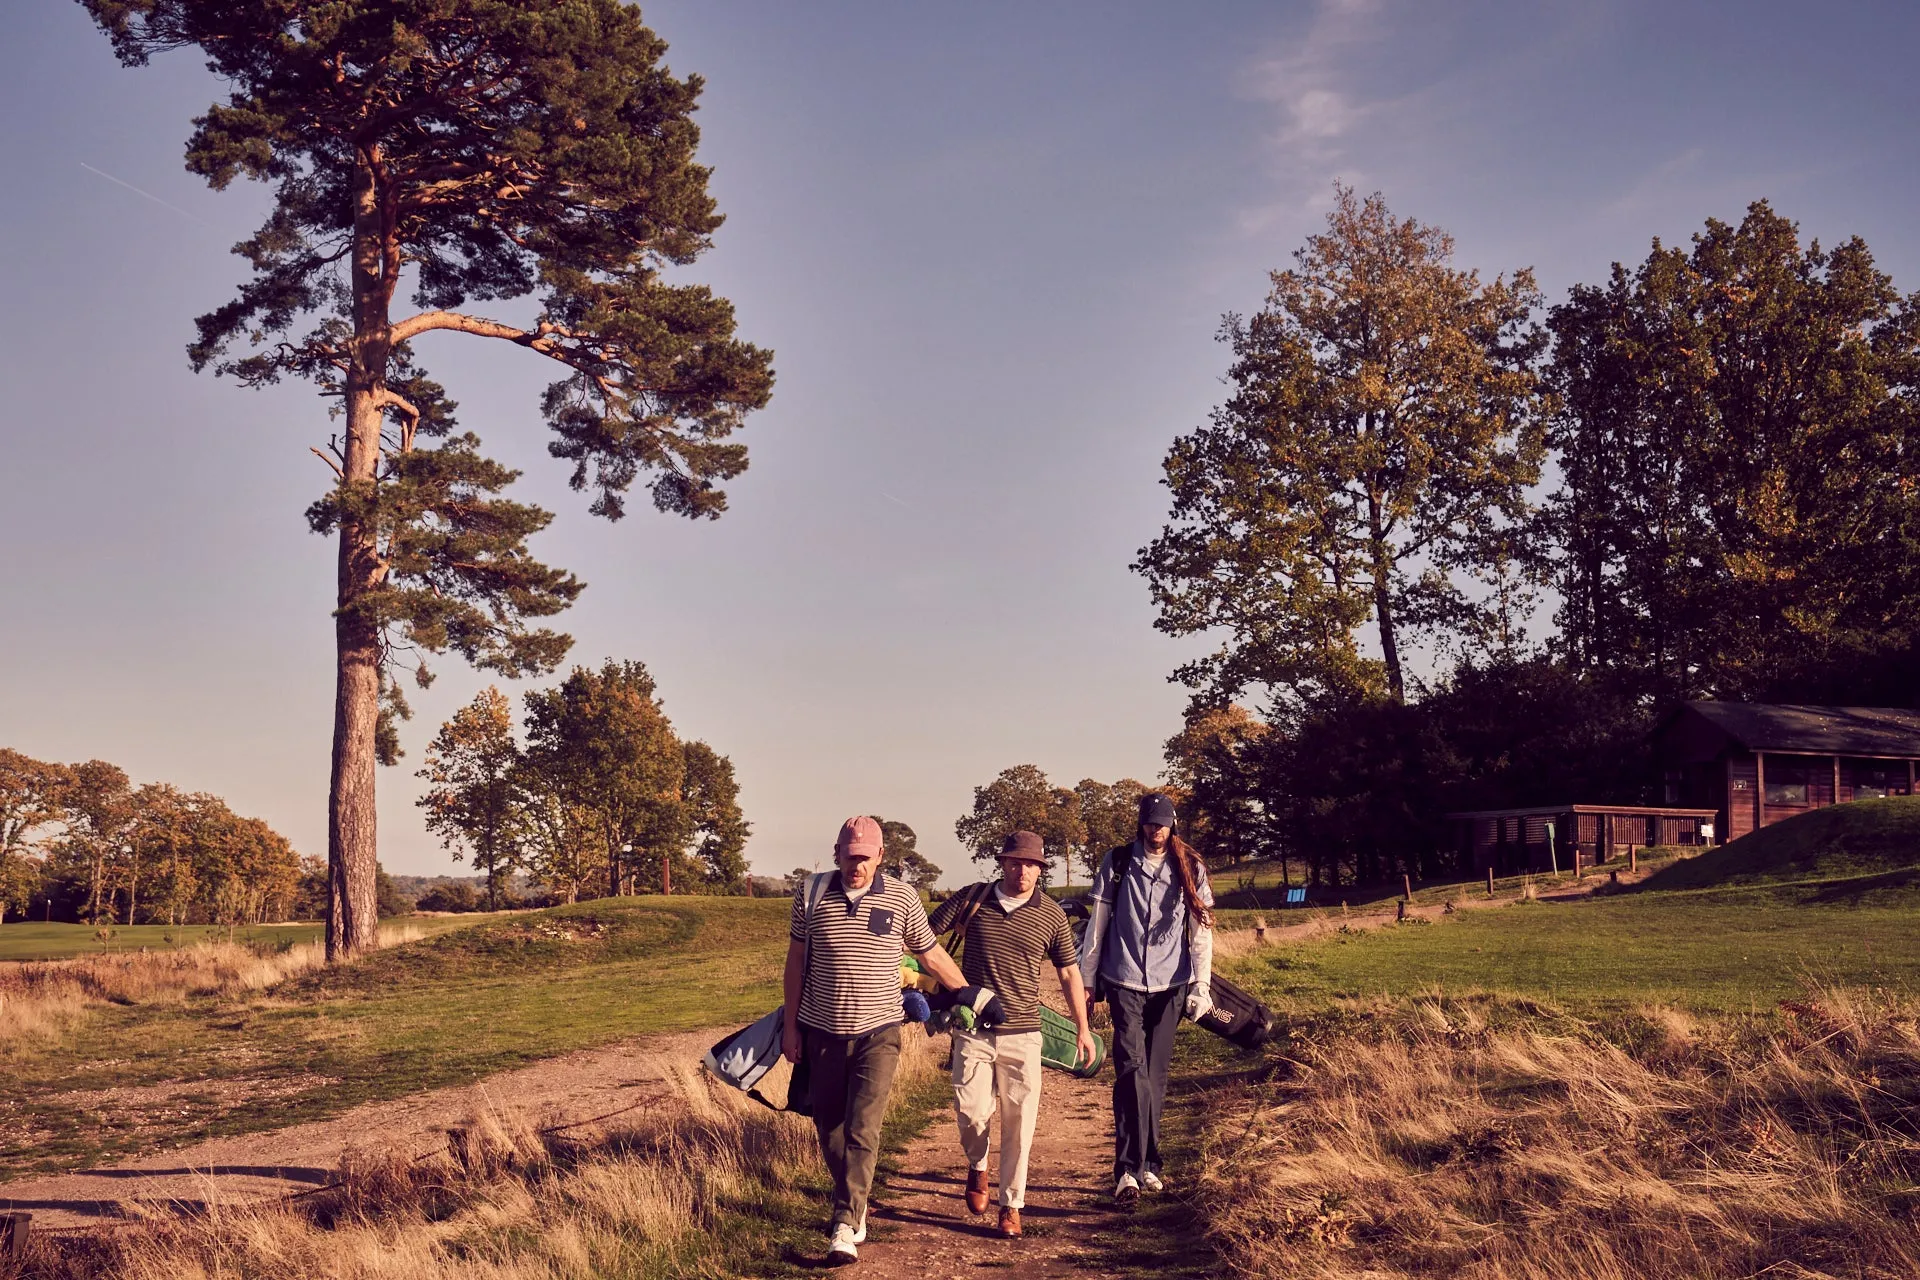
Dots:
pixel 352 851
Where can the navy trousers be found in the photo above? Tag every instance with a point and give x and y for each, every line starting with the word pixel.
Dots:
pixel 1143 1026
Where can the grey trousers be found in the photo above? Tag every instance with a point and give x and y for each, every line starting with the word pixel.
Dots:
pixel 852 1080
pixel 1143 1026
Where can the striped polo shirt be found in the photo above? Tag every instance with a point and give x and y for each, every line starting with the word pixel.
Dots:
pixel 1003 949
pixel 852 983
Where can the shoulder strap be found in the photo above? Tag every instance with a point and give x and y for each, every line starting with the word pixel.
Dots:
pixel 816 889
pixel 977 899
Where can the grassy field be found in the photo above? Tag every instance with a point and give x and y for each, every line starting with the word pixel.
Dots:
pixel 1713 1074
pixel 29 941
pixel 442 1011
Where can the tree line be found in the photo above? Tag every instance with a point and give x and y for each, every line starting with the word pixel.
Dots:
pixel 596 796
pixel 1455 548
pixel 80 842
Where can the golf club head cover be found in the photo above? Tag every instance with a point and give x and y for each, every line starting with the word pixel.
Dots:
pixel 915 1006
pixel 982 1004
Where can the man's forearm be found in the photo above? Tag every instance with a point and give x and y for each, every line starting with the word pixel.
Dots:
pixel 937 962
pixel 1076 994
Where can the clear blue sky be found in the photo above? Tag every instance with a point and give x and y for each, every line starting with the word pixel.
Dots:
pixel 989 244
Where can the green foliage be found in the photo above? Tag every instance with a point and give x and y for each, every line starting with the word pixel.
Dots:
pixel 1214 763
pixel 473 802
pixel 601 739
pixel 87 844
pixel 1864 838
pixel 1371 462
pixel 1021 799
pixel 1109 816
pixel 719 830
pixel 1737 515
pixel 903 857
pixel 388 899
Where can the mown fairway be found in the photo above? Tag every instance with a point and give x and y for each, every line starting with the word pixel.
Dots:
pixel 443 1011
pixel 1710 951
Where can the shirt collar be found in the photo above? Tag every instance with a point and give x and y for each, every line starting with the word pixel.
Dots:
pixel 878 883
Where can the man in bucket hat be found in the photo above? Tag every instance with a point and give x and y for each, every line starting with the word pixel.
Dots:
pixel 1007 928
pixel 843 1011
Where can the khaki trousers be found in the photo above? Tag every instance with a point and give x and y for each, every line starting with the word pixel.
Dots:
pixel 992 1071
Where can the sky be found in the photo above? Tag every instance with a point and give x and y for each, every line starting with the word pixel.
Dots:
pixel 989 245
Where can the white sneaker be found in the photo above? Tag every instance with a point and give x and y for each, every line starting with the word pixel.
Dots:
pixel 1127 1190
pixel 844 1245
pixel 1150 1181
pixel 860 1232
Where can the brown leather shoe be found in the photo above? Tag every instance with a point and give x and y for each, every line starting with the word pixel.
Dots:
pixel 976 1191
pixel 1010 1223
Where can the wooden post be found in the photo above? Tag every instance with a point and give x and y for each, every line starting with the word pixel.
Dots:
pixel 1578 873
pixel 1759 790
pixel 1633 859
pixel 1489 882
pixel 14 1228
pixel 1836 780
pixel 1399 911
pixel 1406 886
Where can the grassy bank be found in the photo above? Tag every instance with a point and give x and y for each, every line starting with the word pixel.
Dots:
pixel 441 1011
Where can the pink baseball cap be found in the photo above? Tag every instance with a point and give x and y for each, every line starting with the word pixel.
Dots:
pixel 859 835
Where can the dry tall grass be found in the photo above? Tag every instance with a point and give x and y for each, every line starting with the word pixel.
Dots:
pixel 1491 1140
pixel 41 998
pixel 510 1203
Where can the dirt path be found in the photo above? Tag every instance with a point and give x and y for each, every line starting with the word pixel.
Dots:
pixel 922 1230
pixel 576 1086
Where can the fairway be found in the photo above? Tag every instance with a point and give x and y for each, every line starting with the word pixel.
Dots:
pixel 447 1010
pixel 1719 951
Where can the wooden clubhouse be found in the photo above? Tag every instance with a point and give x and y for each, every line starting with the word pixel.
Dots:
pixel 1755 763
pixel 1544 837
pixel 1728 768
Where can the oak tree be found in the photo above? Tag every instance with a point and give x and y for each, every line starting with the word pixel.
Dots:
pixel 717 829
pixel 902 855
pixel 473 800
pixel 601 742
pixel 475 151
pixel 1371 462
pixel 1021 799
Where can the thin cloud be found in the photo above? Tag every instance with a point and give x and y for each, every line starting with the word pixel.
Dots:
pixel 148 194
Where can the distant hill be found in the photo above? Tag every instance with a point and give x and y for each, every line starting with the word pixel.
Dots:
pixel 1865 838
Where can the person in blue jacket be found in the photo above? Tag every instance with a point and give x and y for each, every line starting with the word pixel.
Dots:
pixel 1148 952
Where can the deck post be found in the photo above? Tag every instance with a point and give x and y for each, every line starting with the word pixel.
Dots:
pixel 1489 882
pixel 1759 790
pixel 14 1228
pixel 1836 779
pixel 1633 859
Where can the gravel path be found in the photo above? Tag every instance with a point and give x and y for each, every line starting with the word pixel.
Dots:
pixel 256 1166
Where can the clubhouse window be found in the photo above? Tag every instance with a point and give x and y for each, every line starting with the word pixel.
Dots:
pixel 1786 792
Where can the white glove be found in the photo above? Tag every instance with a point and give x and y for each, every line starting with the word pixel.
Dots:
pixel 1199 1003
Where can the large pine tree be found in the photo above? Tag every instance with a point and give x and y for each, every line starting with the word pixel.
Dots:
pixel 478 150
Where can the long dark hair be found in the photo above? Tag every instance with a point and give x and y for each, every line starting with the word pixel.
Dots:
pixel 1187 861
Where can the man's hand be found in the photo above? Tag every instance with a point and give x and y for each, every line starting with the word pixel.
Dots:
pixel 790 1041
pixel 1084 1050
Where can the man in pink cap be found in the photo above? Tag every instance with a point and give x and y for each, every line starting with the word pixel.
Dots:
pixel 848 932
